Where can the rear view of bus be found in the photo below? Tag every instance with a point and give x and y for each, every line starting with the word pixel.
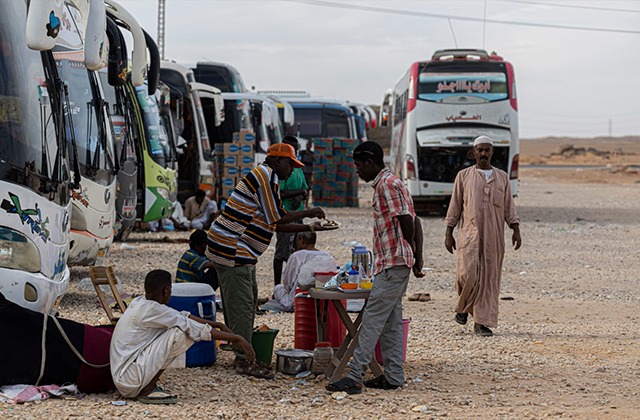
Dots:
pixel 439 107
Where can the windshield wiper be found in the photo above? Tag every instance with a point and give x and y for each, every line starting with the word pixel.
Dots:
pixel 56 89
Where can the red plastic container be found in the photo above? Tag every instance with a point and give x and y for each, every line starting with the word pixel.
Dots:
pixel 305 335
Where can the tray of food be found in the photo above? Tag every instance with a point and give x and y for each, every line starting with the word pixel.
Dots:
pixel 330 224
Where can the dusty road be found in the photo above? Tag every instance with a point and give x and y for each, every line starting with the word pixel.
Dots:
pixel 567 345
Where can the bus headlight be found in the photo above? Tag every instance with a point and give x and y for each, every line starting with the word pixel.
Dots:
pixel 78 221
pixel 18 252
pixel 163 192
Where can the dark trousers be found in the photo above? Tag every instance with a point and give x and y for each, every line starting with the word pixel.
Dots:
pixel 211 278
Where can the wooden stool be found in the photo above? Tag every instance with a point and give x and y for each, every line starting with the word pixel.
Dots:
pixel 104 275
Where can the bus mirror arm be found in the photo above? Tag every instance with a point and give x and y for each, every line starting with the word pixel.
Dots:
pixel 74 146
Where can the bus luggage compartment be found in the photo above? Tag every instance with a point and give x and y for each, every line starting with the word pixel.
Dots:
pixel 442 164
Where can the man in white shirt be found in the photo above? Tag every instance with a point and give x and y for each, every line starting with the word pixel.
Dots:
pixel 150 336
pixel 200 210
pixel 300 268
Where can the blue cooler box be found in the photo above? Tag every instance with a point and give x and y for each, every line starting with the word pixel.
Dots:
pixel 200 300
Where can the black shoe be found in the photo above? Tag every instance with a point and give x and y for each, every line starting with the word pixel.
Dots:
pixel 380 383
pixel 461 318
pixel 483 331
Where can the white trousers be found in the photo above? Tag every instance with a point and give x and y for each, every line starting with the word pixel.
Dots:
pixel 204 219
pixel 160 354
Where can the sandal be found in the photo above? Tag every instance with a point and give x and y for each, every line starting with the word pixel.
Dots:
pixel 422 297
pixel 253 369
pixel 380 382
pixel 461 318
pixel 345 385
pixel 483 331
pixel 159 396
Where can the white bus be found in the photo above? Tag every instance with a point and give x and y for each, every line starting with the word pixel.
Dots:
pixel 438 107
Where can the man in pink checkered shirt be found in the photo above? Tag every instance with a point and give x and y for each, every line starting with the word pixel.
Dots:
pixel 397 237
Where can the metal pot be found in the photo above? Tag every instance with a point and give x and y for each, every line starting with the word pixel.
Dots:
pixel 293 361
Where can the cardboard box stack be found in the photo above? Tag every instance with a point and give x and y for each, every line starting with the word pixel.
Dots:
pixel 335 182
pixel 234 161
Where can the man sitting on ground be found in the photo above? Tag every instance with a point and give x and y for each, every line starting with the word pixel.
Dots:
pixel 150 336
pixel 194 266
pixel 300 268
pixel 200 210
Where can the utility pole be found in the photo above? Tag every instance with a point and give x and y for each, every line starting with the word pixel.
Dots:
pixel 161 10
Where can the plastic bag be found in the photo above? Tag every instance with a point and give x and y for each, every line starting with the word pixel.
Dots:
pixel 337 280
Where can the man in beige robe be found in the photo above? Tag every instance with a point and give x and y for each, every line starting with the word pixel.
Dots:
pixel 480 205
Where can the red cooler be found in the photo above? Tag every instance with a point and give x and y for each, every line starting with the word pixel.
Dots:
pixel 305 336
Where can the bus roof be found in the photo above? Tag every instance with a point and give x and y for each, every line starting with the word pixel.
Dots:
pixel 464 54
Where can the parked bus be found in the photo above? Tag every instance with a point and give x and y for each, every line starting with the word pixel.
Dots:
pixel 320 117
pixel 195 155
pixel 39 166
pixel 125 130
pixel 34 182
pixel 250 113
pixel 93 202
pixel 439 107
pixel 219 75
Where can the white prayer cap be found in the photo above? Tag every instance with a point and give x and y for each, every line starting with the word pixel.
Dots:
pixel 482 139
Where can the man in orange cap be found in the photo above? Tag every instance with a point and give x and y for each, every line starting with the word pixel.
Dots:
pixel 243 231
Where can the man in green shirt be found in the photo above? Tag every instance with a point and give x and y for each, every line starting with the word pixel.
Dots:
pixel 293 192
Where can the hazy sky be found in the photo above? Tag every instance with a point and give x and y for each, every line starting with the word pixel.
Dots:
pixel 569 82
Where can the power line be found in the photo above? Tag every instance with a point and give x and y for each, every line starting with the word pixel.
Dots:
pixel 453 33
pixel 441 16
pixel 607 9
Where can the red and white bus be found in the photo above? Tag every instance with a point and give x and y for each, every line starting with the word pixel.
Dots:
pixel 438 108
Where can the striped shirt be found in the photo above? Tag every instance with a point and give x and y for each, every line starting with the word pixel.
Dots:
pixel 190 267
pixel 390 200
pixel 243 231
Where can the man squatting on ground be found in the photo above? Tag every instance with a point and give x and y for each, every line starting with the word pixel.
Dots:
pixel 242 232
pixel 397 239
pixel 480 205
pixel 293 192
pixel 150 336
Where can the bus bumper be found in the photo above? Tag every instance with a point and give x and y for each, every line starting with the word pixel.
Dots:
pixel 86 249
pixel 33 290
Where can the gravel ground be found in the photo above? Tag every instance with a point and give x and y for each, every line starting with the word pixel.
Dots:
pixel 566 346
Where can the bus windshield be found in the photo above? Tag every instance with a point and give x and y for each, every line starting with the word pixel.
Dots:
pixel 337 123
pixel 157 139
pixel 310 122
pixel 24 106
pixel 83 90
pixel 441 80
